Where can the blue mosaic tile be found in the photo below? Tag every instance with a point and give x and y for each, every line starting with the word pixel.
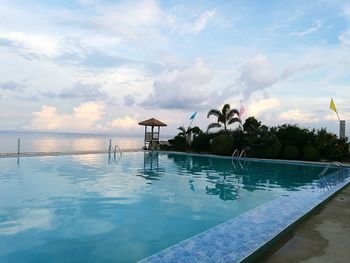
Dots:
pixel 239 237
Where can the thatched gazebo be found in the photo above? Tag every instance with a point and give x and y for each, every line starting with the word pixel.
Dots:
pixel 152 137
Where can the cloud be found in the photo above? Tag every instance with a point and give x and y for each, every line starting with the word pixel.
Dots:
pixel 296 69
pixel 84 117
pixel 316 26
pixel 296 115
pixel 82 91
pixel 196 26
pixel 129 100
pixel 334 117
pixel 131 21
pixel 11 86
pixel 256 74
pixel 183 89
pixel 344 38
pixel 124 123
pixel 259 107
pixel 30 43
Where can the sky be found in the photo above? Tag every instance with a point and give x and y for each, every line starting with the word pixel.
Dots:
pixel 102 66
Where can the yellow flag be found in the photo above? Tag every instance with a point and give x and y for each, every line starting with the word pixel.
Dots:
pixel 332 106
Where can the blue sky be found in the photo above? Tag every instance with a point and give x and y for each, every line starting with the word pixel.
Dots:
pixel 103 66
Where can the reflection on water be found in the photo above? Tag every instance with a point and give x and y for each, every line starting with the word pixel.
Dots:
pixel 86 143
pixel 226 188
pixel 222 178
pixel 114 158
pixel 94 208
pixel 89 159
pixel 226 177
pixel 52 142
pixel 26 219
pixel 47 144
pixel 151 170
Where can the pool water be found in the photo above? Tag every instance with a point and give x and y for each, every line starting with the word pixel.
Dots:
pixel 92 208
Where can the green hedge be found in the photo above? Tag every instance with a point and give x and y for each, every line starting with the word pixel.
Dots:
pixel 291 152
pixel 222 145
pixel 178 143
pixel 267 146
pixel 201 142
pixel 311 153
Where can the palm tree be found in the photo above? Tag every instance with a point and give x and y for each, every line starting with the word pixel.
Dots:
pixel 183 132
pixel 226 117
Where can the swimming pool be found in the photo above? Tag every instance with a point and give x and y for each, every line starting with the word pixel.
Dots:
pixel 91 208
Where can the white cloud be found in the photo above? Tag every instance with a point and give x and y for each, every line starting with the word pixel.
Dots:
pixel 198 25
pixel 124 123
pixel 334 117
pixel 181 89
pixel 296 115
pixel 259 107
pixel 256 74
pixel 83 118
pixel 128 19
pixel 39 44
pixel 344 38
pixel 316 26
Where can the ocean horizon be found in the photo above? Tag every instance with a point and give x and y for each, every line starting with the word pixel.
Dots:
pixel 65 141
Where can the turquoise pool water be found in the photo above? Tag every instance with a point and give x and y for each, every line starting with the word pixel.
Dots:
pixel 89 208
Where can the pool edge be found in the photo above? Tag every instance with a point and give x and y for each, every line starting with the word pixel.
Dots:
pixel 265 248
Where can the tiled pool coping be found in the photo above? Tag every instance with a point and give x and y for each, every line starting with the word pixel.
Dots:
pixel 245 237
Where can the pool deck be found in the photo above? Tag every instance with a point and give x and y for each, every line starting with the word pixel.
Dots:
pixel 324 237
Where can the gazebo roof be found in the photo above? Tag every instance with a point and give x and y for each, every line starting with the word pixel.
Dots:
pixel 152 122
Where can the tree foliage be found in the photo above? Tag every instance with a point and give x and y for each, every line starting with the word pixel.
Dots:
pixel 224 117
pixel 288 141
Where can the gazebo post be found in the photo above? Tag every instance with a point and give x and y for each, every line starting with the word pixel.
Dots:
pixel 152 136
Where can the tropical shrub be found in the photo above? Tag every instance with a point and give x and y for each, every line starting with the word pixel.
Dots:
pixel 331 148
pixel 310 153
pixel 264 146
pixel 293 135
pixel 178 143
pixel 251 125
pixel 222 145
pixel 201 142
pixel 291 152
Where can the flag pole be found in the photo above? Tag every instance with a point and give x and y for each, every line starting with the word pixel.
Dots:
pixel 191 123
pixel 337 116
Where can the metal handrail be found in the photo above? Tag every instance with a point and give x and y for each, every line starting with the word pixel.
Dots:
pixel 324 171
pixel 337 164
pixel 243 153
pixel 234 153
pixel 115 150
pixel 239 156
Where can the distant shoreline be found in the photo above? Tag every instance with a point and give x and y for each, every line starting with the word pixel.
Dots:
pixel 11 132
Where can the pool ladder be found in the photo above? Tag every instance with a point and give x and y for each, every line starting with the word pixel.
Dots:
pixel 238 154
pixel 323 177
pixel 115 150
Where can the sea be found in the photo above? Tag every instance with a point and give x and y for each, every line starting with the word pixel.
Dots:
pixel 61 142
